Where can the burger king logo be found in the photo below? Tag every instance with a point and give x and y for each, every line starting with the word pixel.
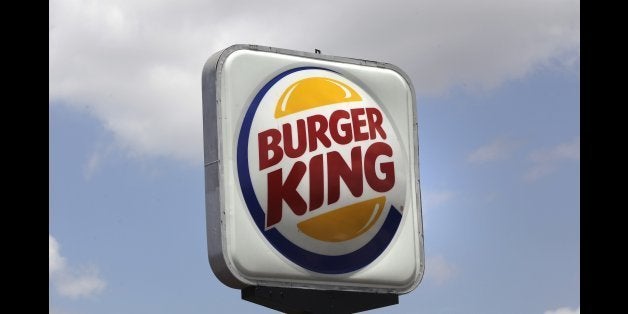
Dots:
pixel 322 171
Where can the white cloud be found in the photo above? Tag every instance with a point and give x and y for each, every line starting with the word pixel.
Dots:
pixel 56 262
pixel 431 199
pixel 538 171
pixel 136 65
pixel 547 160
pixel 95 161
pixel 567 150
pixel 72 283
pixel 439 270
pixel 498 149
pixel 564 310
pixel 92 165
pixel 85 283
pixel 57 310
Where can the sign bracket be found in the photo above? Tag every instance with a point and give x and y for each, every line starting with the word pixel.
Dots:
pixel 308 301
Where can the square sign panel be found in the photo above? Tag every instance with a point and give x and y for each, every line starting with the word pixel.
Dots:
pixel 311 171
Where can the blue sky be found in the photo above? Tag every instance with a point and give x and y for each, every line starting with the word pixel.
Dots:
pixel 498 89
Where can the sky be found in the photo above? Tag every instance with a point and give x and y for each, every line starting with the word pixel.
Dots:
pixel 497 85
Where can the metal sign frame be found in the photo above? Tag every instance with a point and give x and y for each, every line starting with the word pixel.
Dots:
pixel 215 190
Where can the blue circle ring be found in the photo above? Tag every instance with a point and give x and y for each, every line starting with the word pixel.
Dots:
pixel 326 264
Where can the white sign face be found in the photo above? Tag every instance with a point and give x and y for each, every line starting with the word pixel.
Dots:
pixel 311 169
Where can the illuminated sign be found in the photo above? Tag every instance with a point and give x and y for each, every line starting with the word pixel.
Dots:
pixel 311 171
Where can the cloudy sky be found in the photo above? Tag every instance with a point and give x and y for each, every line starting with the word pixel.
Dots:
pixel 497 84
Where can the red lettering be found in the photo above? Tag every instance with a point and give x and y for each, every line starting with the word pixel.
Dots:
pixel 352 176
pixel 375 119
pixel 345 127
pixel 317 184
pixel 316 128
pixel 388 168
pixel 294 138
pixel 279 191
pixel 301 143
pixel 358 135
pixel 266 147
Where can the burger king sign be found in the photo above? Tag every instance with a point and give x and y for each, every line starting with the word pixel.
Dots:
pixel 311 169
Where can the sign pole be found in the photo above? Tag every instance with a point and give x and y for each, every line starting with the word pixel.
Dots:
pixel 308 301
